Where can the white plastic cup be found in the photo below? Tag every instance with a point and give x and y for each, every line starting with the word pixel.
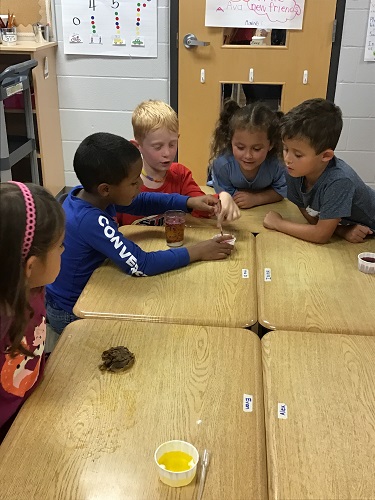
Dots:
pixel 231 239
pixel 176 479
pixel 257 40
pixel 366 266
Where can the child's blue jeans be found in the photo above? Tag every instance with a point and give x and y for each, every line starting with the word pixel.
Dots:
pixel 58 318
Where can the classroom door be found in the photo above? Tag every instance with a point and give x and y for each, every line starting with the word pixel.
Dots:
pixel 199 103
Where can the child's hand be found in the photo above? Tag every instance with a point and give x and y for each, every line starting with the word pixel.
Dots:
pixel 271 219
pixel 229 210
pixel 354 234
pixel 244 199
pixel 203 203
pixel 210 250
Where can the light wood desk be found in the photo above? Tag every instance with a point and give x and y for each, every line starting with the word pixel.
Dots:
pixel 252 218
pixel 85 434
pixel 325 448
pixel 314 287
pixel 203 293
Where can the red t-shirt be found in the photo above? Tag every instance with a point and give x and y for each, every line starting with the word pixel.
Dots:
pixel 178 180
pixel 19 375
pixel 242 35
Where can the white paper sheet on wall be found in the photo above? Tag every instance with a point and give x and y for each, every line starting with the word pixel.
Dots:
pixel 126 28
pixel 285 14
pixel 370 38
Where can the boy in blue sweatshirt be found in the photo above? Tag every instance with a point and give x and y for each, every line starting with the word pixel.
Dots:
pixel 109 168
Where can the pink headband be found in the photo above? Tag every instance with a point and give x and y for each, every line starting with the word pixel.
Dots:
pixel 30 218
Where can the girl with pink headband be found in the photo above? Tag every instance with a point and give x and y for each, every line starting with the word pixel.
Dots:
pixel 31 235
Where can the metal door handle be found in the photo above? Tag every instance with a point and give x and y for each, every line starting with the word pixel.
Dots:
pixel 191 40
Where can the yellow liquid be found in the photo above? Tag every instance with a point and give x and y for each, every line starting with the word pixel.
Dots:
pixel 176 461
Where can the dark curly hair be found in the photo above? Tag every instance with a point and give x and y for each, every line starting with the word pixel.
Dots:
pixel 256 116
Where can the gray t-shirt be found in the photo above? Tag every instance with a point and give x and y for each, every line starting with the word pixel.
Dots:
pixel 338 193
pixel 227 176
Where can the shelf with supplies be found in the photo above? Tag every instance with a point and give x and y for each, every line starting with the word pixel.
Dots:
pixel 45 113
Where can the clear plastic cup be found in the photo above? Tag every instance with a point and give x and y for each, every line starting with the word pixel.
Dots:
pixel 177 479
pixel 174 222
pixel 9 36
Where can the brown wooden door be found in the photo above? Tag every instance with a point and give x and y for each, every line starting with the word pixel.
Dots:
pixel 199 103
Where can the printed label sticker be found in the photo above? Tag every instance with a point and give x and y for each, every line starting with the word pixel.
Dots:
pixel 282 411
pixel 247 402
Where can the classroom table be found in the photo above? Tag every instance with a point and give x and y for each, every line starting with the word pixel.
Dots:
pixel 252 218
pixel 87 434
pixel 308 287
pixel 320 444
pixel 215 293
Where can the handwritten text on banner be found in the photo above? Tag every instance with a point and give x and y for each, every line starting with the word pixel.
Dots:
pixel 286 14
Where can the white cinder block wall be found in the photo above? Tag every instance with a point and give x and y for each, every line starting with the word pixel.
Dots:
pixel 100 93
pixel 355 93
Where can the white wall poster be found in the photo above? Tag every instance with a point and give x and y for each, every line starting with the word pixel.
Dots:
pixel 370 38
pixel 110 27
pixel 285 14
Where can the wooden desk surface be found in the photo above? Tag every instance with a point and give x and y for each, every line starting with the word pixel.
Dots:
pixel 325 448
pixel 28 47
pixel 203 293
pixel 86 434
pixel 252 218
pixel 314 287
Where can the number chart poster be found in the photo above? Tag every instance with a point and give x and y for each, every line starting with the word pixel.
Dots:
pixel 126 28
pixel 370 38
pixel 286 14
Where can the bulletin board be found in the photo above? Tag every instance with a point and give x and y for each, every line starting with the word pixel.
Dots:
pixel 126 28
pixel 27 12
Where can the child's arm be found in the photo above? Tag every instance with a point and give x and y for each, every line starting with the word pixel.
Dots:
pixel 157 203
pixel 310 219
pixel 276 190
pixel 154 203
pixel 229 209
pixel 354 234
pixel 250 199
pixel 101 232
pixel 320 232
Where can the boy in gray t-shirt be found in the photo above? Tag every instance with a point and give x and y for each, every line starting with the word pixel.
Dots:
pixel 330 195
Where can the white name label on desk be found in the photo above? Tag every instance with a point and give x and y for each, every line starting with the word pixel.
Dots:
pixel 247 402
pixel 282 411
pixel 245 273
pixel 267 274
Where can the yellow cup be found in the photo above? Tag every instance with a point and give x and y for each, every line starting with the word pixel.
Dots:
pixel 176 479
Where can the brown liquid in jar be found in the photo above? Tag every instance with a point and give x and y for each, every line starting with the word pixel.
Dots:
pixel 174 229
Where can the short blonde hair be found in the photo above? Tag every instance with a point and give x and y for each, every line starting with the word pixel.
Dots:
pixel 152 115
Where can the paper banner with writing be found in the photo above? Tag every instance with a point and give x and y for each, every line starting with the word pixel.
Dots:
pixel 285 14
pixel 370 38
